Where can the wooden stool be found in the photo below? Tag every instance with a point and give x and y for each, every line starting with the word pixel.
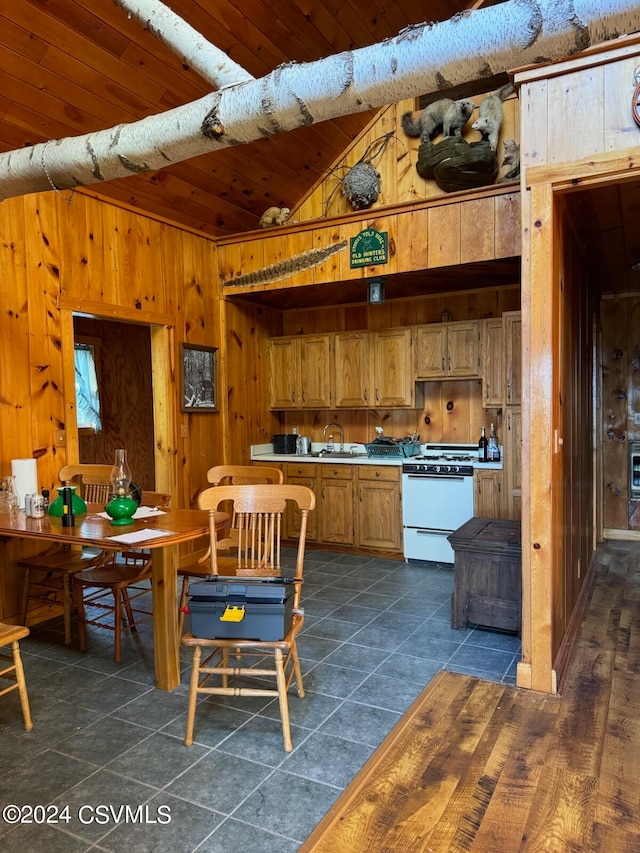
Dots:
pixel 10 636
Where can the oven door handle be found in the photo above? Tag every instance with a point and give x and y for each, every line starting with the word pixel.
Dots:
pixel 437 476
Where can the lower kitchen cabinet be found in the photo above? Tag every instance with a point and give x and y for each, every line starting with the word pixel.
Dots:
pixel 513 463
pixel 487 501
pixel 379 510
pixel 356 505
pixel 336 514
pixel 302 474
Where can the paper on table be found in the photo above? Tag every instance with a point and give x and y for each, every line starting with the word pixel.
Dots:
pixel 141 512
pixel 141 536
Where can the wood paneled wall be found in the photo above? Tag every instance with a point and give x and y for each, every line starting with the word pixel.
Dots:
pixel 620 357
pixel 399 180
pixel 89 257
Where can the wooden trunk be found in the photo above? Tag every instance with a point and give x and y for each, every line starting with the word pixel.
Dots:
pixel 487 574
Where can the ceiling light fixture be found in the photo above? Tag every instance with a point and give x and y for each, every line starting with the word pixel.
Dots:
pixel 375 291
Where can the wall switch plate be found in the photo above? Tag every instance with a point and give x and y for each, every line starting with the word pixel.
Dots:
pixel 184 431
pixel 60 438
pixel 636 418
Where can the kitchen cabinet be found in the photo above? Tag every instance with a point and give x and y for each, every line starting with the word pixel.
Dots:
pixel 492 360
pixel 336 514
pixel 379 510
pixel 448 350
pixel 393 368
pixel 351 370
pixel 301 474
pixel 512 324
pixel 513 463
pixel 299 374
pixel 487 499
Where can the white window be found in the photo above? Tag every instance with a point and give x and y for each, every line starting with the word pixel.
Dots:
pixel 87 360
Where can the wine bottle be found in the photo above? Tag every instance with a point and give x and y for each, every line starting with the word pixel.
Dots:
pixel 493 448
pixel 482 446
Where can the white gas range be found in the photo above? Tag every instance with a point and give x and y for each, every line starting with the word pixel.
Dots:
pixel 437 498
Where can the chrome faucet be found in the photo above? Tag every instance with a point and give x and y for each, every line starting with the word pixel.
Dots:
pixel 324 432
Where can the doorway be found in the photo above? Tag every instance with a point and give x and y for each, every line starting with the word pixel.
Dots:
pixel 124 378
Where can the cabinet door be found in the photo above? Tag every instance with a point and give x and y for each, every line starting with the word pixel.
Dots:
pixel 303 474
pixel 492 363
pixel 379 515
pixel 313 372
pixel 336 517
pixel 463 350
pixel 431 351
pixel 393 368
pixel 513 345
pixel 351 369
pixel 283 367
pixel 513 463
pixel 488 493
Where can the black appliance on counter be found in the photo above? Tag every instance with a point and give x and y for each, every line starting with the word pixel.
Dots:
pixel 284 442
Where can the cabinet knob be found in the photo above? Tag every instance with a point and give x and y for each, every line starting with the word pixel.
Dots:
pixel 377 473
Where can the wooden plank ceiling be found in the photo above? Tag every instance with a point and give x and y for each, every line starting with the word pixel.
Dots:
pixel 69 67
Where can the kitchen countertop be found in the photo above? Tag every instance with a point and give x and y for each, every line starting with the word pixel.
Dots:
pixel 264 453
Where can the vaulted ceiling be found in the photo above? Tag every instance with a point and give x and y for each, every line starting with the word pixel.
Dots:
pixel 69 67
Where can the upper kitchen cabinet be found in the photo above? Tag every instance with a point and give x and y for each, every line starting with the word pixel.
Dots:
pixel 448 350
pixel 512 325
pixel 351 370
pixel 393 368
pixel 492 362
pixel 299 372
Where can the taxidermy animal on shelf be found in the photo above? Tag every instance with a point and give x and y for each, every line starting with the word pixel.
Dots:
pixel 511 158
pixel 444 115
pixel 490 116
pixel 274 216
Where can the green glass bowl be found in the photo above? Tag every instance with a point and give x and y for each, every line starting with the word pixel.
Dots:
pixel 78 506
pixel 121 509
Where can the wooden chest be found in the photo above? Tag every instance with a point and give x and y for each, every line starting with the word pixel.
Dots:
pixel 487 574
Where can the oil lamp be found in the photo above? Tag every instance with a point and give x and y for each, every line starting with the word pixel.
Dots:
pixel 121 506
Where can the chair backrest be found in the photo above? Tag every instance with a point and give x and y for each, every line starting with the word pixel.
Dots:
pixel 240 475
pixel 157 499
pixel 259 510
pixel 92 481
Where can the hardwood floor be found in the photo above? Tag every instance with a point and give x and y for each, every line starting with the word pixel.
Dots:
pixel 481 767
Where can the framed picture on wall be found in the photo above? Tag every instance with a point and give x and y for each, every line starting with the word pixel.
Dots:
pixel 199 386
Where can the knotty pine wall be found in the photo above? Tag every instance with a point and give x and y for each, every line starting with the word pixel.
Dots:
pixel 94 258
pixel 461 423
pixel 399 180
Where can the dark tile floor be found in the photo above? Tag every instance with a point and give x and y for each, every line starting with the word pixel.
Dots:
pixel 106 752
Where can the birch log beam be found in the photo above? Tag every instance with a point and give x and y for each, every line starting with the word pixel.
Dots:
pixel 421 59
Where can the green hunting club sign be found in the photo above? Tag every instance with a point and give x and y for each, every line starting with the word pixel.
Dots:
pixel 369 248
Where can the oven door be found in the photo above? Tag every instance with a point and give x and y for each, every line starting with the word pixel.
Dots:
pixel 433 506
pixel 436 501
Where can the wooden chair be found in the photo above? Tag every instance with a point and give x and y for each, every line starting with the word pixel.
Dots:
pixel 198 565
pixel 55 568
pixel 259 510
pixel 10 635
pixel 113 585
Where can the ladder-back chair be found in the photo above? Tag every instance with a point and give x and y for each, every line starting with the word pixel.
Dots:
pixel 199 565
pixel 10 635
pixel 112 586
pixel 259 511
pixel 49 575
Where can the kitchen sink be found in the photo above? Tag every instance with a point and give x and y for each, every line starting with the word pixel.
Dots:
pixel 337 454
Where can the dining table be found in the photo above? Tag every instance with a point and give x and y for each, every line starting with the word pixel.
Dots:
pixel 162 533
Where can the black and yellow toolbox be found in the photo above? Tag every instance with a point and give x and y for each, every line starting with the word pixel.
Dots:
pixel 244 609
